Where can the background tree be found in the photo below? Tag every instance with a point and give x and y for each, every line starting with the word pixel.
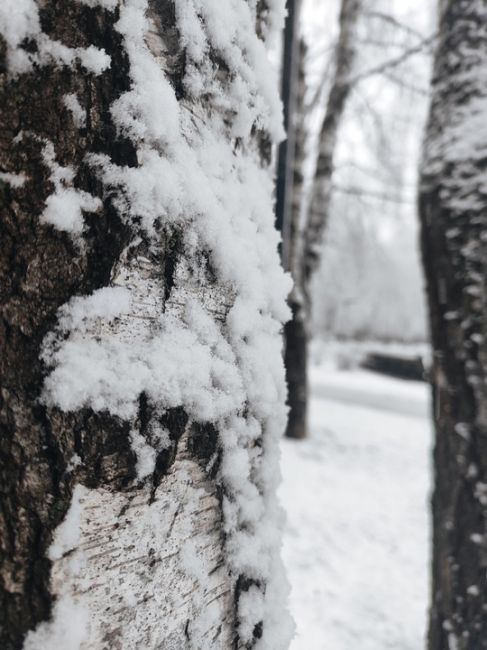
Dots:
pixel 369 283
pixel 295 330
pixel 358 251
pixel 141 301
pixel 454 227
pixel 306 256
pixel 290 65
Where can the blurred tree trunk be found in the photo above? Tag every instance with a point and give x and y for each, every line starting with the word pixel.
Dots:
pixel 454 246
pixel 295 352
pixel 307 254
pixel 286 150
pixel 133 504
pixel 341 85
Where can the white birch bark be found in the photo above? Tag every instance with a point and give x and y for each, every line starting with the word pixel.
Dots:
pixel 178 356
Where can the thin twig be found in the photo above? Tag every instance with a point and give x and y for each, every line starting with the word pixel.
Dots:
pixel 395 62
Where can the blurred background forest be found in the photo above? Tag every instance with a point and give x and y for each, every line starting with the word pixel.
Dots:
pixel 369 284
pixel 357 553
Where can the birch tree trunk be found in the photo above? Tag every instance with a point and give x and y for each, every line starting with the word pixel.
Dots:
pixel 341 85
pixel 454 228
pixel 307 261
pixel 141 301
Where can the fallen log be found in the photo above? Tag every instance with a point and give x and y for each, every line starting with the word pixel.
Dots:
pixel 411 368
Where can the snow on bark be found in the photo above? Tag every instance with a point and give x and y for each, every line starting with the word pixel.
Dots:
pixel 454 236
pixel 19 21
pixel 64 207
pixel 155 564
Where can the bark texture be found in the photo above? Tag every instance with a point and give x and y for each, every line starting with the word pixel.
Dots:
pixel 40 269
pixel 148 565
pixel 454 239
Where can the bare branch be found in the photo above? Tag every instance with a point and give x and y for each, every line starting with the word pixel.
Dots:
pixel 378 196
pixel 396 61
pixel 425 92
pixel 394 22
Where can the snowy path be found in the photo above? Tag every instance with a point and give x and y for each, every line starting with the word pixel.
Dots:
pixel 356 495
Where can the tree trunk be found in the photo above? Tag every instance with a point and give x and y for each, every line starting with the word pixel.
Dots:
pixel 341 85
pixel 295 330
pixel 296 362
pixel 306 255
pixel 141 300
pixel 286 151
pixel 454 227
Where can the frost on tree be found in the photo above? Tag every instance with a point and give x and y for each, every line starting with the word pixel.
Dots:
pixel 454 242
pixel 141 381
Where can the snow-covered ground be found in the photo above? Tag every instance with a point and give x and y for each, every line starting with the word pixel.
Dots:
pixel 356 495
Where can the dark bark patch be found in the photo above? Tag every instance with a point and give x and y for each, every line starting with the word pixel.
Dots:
pixel 40 269
pixel 173 243
pixel 244 583
pixel 203 442
pixel 174 421
pixel 163 13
